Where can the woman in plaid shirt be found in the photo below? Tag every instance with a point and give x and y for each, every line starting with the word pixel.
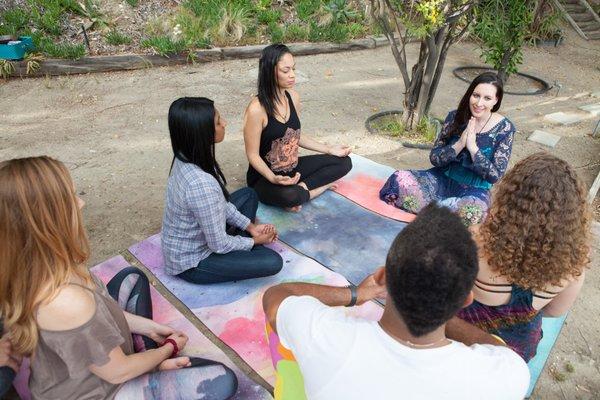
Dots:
pixel 208 234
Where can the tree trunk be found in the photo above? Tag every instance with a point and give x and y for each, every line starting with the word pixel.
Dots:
pixel 410 116
pixel 502 73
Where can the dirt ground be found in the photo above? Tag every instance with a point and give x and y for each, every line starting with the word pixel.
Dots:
pixel 111 130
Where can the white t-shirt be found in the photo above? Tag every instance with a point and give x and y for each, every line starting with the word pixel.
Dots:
pixel 346 358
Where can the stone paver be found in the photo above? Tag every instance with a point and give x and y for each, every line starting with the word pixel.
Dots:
pixel 592 108
pixel 596 93
pixel 545 138
pixel 564 118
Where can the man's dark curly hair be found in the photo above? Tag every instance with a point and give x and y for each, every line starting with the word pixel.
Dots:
pixel 430 269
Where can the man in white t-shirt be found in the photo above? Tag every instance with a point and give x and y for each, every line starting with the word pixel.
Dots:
pixel 408 354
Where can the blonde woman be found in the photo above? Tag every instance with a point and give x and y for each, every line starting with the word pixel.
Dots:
pixel 533 250
pixel 78 338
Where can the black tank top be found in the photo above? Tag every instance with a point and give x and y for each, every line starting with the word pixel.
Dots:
pixel 278 145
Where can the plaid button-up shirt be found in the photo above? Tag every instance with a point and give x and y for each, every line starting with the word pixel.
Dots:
pixel 195 218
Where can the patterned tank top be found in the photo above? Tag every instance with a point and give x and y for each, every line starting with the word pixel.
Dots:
pixel 518 323
pixel 278 145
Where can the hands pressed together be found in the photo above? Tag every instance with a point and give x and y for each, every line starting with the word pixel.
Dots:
pixel 468 138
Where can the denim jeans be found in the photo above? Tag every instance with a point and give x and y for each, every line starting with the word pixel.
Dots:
pixel 240 264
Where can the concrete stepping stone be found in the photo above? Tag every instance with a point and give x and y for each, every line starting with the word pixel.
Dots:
pixel 545 138
pixel 564 118
pixel 592 108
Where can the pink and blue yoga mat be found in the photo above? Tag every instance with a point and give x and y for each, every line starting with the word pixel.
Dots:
pixel 198 345
pixel 233 311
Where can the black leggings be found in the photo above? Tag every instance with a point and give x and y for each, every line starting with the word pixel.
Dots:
pixel 315 171
pixel 131 289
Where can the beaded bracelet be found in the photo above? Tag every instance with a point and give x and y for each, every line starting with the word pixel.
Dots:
pixel 175 347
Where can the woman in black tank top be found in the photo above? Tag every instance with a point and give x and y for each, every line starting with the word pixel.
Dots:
pixel 272 138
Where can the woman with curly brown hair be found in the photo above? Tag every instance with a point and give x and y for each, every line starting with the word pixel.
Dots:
pixel 533 250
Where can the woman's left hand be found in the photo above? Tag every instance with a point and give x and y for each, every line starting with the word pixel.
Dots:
pixel 339 150
pixel 472 142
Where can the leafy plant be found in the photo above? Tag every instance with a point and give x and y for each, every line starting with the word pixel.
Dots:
pixel 33 61
pixel 276 33
pixel 329 33
pixel 268 16
pixel 6 68
pixel 307 8
pixel 132 3
pixel 502 27
pixel 546 22
pixel 295 33
pixel 15 21
pixel 437 24
pixel 355 29
pixel 61 50
pixel 116 38
pixel 234 18
pixel 340 11
pixel 393 125
pixel 164 45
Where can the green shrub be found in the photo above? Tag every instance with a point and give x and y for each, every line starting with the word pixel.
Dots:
pixel 276 33
pixel 164 45
pixel 356 30
pixel 329 33
pixel 295 33
pixel 340 11
pixel 307 8
pixel 193 29
pixel 132 3
pixel 15 21
pixel 267 17
pixel 234 18
pixel 116 38
pixel 61 50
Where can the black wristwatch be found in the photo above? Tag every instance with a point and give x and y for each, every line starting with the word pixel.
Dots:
pixel 353 295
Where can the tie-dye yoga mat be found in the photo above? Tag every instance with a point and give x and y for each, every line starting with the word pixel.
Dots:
pixel 335 232
pixel 362 185
pixel 198 345
pixel 233 311
pixel 353 241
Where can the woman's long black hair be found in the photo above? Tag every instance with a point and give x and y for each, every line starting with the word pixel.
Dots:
pixel 267 77
pixel 192 129
pixel 463 113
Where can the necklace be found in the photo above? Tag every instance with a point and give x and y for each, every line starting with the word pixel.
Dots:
pixel 486 122
pixel 287 111
pixel 411 344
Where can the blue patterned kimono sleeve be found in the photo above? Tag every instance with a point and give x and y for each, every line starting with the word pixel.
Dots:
pixel 493 170
pixel 442 153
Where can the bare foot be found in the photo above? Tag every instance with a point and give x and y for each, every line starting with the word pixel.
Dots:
pixel 174 363
pixel 319 191
pixel 293 209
